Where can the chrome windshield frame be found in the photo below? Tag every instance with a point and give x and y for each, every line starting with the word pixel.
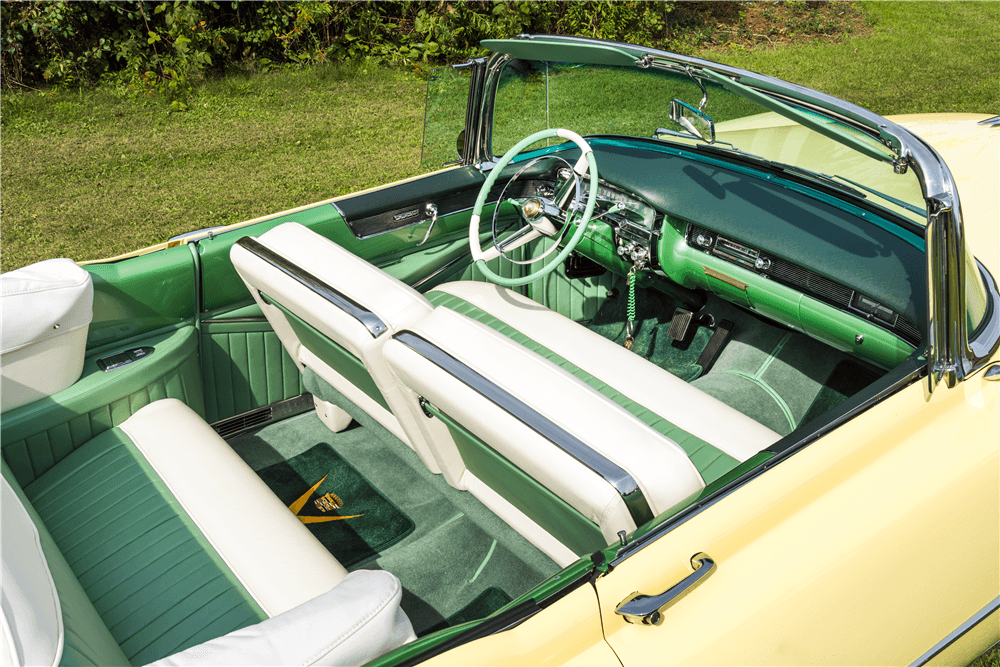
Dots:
pixel 950 355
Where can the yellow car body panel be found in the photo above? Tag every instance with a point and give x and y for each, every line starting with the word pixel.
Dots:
pixel 576 639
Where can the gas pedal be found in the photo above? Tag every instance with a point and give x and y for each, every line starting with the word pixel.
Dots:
pixel 715 345
pixel 680 324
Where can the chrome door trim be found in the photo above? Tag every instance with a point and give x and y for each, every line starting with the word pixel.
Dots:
pixel 957 633
pixel 376 327
pixel 611 472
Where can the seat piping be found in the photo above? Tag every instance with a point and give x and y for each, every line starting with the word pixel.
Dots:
pixel 376 327
pixel 612 473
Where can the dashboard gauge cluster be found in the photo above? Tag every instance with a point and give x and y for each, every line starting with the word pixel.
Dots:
pixel 634 222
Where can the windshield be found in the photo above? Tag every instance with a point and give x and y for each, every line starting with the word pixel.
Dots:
pixel 607 99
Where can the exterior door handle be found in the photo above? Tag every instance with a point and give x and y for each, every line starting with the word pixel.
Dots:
pixel 648 609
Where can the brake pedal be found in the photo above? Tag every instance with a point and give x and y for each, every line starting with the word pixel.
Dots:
pixel 715 345
pixel 679 325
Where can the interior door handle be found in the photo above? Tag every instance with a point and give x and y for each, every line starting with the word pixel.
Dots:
pixel 648 609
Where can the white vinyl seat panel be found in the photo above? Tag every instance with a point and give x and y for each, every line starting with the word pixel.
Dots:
pixel 609 448
pixel 658 390
pixel 345 299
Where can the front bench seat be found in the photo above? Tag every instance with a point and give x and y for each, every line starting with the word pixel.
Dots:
pixel 333 311
pixel 158 538
pixel 577 465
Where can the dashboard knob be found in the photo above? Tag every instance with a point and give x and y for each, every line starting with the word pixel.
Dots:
pixel 762 264
pixel 704 240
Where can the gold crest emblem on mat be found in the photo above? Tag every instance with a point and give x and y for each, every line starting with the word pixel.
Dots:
pixel 328 503
pixel 325 504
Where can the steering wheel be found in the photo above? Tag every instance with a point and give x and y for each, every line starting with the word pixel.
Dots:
pixel 536 212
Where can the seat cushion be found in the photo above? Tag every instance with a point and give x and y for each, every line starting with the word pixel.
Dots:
pixel 714 435
pixel 173 538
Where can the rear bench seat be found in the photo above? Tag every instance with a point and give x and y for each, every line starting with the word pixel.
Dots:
pixel 155 541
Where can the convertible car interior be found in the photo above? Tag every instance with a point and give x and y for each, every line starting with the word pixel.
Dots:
pixel 320 435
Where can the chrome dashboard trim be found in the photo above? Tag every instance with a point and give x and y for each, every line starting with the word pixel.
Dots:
pixel 612 473
pixel 376 327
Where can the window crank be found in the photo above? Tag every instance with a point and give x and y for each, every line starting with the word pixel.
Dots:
pixel 431 210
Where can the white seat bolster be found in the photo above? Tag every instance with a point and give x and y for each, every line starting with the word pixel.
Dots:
pixel 356 621
pixel 658 390
pixel 273 554
pixel 659 466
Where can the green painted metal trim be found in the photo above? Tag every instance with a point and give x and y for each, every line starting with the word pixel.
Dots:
pixel 332 354
pixel 709 461
pixel 555 515
pixel 800 117
pixel 562 52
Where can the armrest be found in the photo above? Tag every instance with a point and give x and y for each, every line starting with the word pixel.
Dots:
pixel 357 620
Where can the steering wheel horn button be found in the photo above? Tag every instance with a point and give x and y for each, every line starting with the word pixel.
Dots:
pixel 531 209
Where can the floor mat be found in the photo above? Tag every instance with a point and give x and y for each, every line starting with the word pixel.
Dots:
pixel 459 548
pixel 347 514
pixel 485 604
pixel 654 312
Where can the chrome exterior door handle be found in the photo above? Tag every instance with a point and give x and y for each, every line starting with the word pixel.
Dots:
pixel 648 609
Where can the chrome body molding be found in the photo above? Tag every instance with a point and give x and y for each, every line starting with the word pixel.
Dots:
pixel 623 483
pixel 955 635
pixel 376 327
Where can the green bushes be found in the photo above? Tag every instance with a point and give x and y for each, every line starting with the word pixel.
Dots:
pixel 162 47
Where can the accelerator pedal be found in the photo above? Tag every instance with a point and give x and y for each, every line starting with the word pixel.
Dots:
pixel 715 345
pixel 680 324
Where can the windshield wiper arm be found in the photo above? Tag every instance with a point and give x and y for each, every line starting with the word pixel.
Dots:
pixel 781 166
pixel 897 202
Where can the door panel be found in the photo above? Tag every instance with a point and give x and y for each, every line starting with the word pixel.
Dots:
pixel 245 366
pixel 866 547
pixel 38 435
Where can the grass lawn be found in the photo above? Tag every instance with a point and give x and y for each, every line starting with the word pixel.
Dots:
pixel 90 174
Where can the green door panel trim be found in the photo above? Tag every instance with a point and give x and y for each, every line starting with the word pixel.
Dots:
pixel 578 533
pixel 37 436
pixel 710 462
pixel 151 574
pixel 141 295
pixel 245 366
pixel 332 354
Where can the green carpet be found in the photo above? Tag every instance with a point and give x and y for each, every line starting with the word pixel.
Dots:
pixel 459 548
pixel 485 604
pixel 778 377
pixel 366 522
pixel 654 310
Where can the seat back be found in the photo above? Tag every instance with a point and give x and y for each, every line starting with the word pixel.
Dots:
pixel 571 461
pixel 333 312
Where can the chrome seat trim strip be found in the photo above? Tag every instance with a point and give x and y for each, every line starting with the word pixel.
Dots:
pixel 622 481
pixel 376 327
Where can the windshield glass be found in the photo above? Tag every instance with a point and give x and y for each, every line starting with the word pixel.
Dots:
pixel 598 99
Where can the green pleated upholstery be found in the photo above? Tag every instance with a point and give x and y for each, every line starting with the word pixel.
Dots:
pixel 245 369
pixel 87 640
pixel 154 579
pixel 37 436
pixel 710 462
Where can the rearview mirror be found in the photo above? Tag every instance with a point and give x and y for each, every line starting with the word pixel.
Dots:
pixel 692 120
